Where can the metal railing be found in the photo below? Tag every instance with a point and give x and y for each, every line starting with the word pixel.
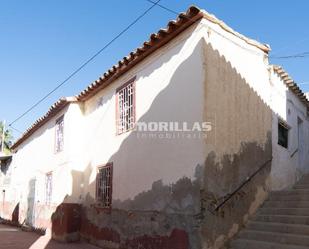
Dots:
pixel 233 193
pixel 294 153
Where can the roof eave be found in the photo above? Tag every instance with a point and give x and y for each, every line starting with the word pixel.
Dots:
pixel 291 84
pixel 157 40
pixel 53 111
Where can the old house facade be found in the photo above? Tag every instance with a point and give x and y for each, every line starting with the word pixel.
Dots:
pixel 150 153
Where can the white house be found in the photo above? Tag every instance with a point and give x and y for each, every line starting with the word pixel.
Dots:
pixel 151 150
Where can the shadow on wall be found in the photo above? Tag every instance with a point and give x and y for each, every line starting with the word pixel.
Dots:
pixel 15 214
pixel 5 164
pixel 161 214
pixel 243 144
pixel 170 213
pixel 220 225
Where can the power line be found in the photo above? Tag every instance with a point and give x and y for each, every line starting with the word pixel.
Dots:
pixel 85 63
pixel 300 55
pixel 13 128
pixel 164 7
pixel 293 56
pixel 290 44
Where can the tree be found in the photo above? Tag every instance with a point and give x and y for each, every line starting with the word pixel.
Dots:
pixel 8 138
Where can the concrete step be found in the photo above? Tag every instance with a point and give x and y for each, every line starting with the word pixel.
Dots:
pixel 285 219
pixel 289 197
pixel 283 238
pixel 286 204
pixel 284 211
pixel 291 192
pixel 255 244
pixel 279 227
pixel 281 223
pixel 301 186
pixel 303 180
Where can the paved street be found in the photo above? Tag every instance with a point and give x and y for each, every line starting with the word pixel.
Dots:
pixel 14 238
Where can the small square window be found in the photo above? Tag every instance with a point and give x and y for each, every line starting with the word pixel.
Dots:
pixel 48 188
pixel 125 107
pixel 104 183
pixel 283 134
pixel 59 134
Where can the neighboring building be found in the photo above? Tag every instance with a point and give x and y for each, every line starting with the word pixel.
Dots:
pixel 138 187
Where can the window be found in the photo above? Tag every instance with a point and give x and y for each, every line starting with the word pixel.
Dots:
pixel 283 132
pixel 59 134
pixel 48 188
pixel 125 107
pixel 104 183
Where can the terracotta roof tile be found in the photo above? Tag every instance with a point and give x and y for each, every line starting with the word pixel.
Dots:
pixel 291 84
pixel 53 110
pixel 156 40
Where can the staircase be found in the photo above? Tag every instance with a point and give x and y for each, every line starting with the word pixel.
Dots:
pixel 281 223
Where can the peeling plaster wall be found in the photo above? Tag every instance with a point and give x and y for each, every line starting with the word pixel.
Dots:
pixel 240 145
pixel 139 229
pixel 197 77
pixel 163 187
pixel 169 88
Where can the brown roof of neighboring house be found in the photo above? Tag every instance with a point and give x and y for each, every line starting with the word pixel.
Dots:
pixel 157 40
pixel 291 84
pixel 53 110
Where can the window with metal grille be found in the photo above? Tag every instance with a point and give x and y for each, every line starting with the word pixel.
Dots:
pixel 59 134
pixel 104 183
pixel 125 109
pixel 48 188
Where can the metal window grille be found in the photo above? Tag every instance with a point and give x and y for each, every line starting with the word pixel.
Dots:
pixel 48 188
pixel 59 134
pixel 126 108
pixel 104 185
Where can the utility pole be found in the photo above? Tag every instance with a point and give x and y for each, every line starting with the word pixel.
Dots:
pixel 3 137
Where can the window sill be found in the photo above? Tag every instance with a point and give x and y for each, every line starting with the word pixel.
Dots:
pixel 284 148
pixel 100 208
pixel 58 152
pixel 123 132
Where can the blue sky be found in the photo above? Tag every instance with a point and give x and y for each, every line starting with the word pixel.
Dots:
pixel 42 42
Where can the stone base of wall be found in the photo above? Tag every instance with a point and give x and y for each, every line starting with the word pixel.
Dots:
pixel 178 239
pixel 113 229
pixel 66 222
pixel 137 229
pixel 117 228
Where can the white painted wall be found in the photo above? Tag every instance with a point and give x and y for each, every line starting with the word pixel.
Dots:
pixel 167 90
pixel 37 156
pixel 169 87
pixel 288 166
